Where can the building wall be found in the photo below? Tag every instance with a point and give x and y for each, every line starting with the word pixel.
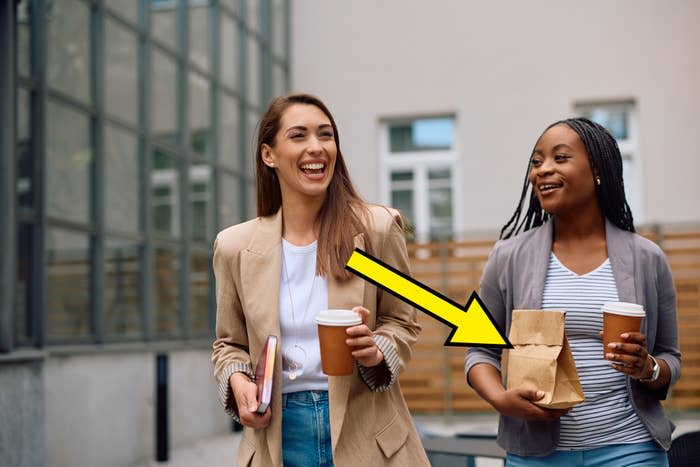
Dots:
pixel 100 409
pixel 507 69
pixel 126 129
pixel 21 402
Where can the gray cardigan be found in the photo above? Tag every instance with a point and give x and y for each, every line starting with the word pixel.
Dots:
pixel 514 279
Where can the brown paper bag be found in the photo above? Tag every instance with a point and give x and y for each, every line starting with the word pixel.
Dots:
pixel 541 358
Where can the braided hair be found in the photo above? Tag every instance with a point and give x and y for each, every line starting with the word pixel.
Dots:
pixel 606 162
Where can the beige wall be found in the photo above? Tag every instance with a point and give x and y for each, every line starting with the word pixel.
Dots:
pixel 507 69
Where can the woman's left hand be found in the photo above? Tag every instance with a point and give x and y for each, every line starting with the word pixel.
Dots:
pixel 362 340
pixel 632 352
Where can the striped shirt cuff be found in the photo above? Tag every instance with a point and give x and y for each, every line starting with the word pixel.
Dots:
pixel 225 392
pixel 380 378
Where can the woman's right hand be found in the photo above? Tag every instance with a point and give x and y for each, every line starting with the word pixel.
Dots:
pixel 518 403
pixel 246 394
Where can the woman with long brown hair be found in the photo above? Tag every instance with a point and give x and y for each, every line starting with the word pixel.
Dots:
pixel 277 271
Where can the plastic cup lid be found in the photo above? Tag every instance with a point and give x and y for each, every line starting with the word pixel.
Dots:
pixel 338 318
pixel 624 309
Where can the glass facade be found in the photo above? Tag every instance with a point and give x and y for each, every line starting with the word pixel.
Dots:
pixel 130 123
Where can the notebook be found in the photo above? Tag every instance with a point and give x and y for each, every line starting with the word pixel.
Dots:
pixel 264 373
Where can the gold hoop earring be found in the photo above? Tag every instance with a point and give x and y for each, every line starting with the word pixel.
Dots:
pixel 597 180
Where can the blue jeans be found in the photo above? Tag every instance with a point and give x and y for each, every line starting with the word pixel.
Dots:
pixel 647 454
pixel 306 430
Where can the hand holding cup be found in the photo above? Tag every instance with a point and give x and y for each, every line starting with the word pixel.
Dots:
pixel 336 355
pixel 623 343
pixel 362 341
pixel 630 356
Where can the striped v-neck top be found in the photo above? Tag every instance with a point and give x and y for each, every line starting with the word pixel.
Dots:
pixel 606 416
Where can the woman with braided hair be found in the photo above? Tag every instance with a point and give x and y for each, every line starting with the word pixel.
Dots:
pixel 573 247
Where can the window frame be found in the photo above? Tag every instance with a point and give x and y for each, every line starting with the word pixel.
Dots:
pixel 629 150
pixel 420 163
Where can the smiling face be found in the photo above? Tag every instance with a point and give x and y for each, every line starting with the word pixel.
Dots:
pixel 561 173
pixel 303 153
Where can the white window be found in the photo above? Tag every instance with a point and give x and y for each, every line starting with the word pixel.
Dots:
pixel 418 165
pixel 620 119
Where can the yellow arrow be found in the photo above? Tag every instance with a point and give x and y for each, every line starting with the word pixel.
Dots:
pixel 472 325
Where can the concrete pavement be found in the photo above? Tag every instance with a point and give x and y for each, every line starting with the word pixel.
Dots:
pixel 221 450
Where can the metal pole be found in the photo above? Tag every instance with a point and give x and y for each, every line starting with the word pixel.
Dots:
pixel 147 251
pixel 162 445
pixel 37 276
pixel 184 164
pixel 97 48
pixel 8 226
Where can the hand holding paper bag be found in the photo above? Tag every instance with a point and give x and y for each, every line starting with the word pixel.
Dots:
pixel 541 358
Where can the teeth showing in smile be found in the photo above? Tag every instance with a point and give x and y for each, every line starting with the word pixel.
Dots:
pixel 549 186
pixel 314 166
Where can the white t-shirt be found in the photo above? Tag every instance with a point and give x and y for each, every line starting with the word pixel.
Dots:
pixel 297 323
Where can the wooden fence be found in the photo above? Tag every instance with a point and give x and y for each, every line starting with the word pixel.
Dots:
pixel 434 380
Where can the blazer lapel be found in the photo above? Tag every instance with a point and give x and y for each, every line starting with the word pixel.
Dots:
pixel 622 262
pixel 539 263
pixel 260 279
pixel 346 294
pixel 260 276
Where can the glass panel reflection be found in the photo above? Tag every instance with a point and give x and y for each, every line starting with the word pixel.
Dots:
pixel 122 182
pixel 279 84
pixel 230 201
pixel 200 126
pixel 252 208
pixel 24 28
pixel 200 197
pixel 402 195
pixel 25 159
pixel 68 57
pixel 67 284
pixel 615 120
pixel 253 66
pixel 164 21
pixel 250 141
pixel 165 195
pixel 403 201
pixel 126 8
pixel 23 293
pixel 440 199
pixel 167 287
pixel 422 134
pixel 199 33
pixel 121 74
pixel 231 4
pixel 228 146
pixel 199 288
pixel 68 160
pixel 229 52
pixel 122 288
pixel 164 97
pixel 278 30
pixel 253 12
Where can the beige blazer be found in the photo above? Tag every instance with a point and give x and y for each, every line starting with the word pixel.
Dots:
pixel 370 422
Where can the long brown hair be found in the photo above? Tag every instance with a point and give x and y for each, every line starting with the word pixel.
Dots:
pixel 343 214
